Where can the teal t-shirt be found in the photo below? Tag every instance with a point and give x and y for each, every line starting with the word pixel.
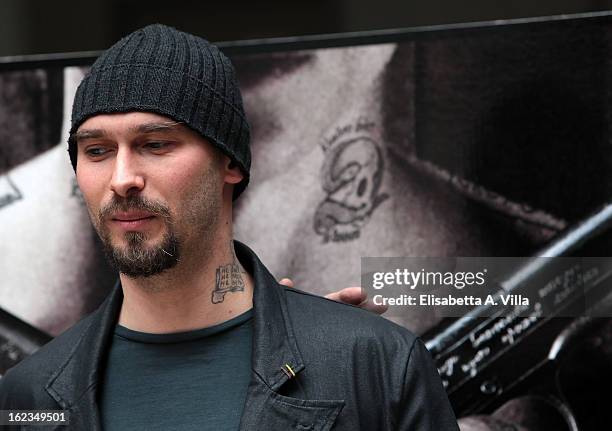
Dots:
pixel 194 380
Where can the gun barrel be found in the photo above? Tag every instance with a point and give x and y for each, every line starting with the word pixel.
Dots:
pixel 566 244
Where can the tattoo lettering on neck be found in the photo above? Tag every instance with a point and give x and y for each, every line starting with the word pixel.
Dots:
pixel 228 278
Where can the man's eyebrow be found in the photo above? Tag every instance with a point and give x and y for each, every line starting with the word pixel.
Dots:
pixel 81 135
pixel 164 126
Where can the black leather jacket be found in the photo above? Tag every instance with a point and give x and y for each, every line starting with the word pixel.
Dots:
pixel 354 370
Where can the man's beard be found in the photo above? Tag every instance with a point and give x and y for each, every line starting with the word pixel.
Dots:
pixel 137 259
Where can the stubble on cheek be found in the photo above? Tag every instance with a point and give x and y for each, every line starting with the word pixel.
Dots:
pixel 201 209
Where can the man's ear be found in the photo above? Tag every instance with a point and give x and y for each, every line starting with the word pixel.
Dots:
pixel 232 173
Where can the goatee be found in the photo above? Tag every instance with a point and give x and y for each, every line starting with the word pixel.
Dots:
pixel 137 259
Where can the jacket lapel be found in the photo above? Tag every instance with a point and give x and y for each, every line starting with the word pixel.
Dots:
pixel 75 384
pixel 275 348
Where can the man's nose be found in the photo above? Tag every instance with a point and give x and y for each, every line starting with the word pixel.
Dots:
pixel 127 176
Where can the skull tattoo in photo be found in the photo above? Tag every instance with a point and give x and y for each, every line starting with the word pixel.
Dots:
pixel 351 178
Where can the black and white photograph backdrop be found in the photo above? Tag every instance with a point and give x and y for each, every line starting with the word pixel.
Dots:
pixel 487 140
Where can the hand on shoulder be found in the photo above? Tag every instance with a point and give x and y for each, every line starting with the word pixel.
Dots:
pixel 349 295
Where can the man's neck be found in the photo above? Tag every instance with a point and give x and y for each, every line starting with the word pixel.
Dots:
pixel 192 295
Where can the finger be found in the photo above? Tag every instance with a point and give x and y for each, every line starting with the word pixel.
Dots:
pixel 349 295
pixel 370 306
pixel 286 282
pixel 357 296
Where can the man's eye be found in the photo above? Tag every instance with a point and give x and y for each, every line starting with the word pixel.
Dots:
pixel 156 145
pixel 95 152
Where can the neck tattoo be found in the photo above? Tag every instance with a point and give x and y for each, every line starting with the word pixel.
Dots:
pixel 228 278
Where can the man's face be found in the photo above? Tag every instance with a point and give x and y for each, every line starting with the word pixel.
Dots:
pixel 153 189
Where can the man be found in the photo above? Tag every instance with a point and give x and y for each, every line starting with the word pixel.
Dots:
pixel 198 334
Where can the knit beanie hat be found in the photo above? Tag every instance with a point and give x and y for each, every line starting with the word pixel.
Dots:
pixel 165 71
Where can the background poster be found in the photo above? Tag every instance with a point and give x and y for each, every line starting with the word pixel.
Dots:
pixel 475 141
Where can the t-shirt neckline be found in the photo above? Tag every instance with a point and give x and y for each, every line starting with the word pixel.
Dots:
pixel 179 337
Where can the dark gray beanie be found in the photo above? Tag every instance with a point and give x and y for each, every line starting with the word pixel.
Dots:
pixel 162 70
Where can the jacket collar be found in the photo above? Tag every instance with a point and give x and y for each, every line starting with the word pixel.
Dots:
pixel 75 383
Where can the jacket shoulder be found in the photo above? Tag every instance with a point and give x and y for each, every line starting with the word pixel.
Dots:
pixel 344 323
pixel 381 370
pixel 23 386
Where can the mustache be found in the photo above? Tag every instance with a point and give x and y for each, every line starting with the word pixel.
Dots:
pixel 134 203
